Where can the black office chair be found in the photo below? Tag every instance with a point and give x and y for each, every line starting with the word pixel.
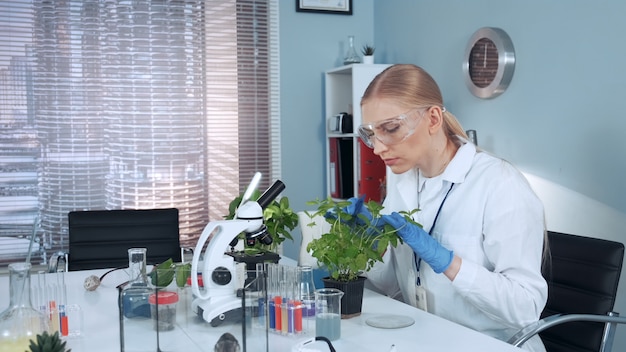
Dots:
pixel 583 275
pixel 100 239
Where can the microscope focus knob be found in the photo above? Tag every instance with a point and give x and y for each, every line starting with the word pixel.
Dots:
pixel 221 276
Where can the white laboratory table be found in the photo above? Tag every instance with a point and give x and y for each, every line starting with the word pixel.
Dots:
pixel 100 330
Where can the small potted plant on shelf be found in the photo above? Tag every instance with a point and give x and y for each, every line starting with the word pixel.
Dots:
pixel 279 219
pixel 354 243
pixel 368 54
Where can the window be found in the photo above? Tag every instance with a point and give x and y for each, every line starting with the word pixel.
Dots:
pixel 131 105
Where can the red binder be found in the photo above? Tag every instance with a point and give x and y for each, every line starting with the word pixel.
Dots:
pixel 373 172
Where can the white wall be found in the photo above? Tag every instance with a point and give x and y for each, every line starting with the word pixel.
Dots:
pixel 568 211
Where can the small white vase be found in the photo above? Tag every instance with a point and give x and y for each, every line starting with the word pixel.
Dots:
pixel 368 59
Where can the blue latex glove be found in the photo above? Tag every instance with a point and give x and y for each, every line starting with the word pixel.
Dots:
pixel 431 251
pixel 357 209
pixel 354 208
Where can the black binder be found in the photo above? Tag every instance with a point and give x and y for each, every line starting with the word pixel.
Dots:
pixel 346 170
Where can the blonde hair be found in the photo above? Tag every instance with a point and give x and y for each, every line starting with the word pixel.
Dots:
pixel 410 86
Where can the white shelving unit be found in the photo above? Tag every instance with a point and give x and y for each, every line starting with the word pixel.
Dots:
pixel 344 87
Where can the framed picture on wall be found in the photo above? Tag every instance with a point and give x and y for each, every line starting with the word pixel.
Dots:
pixel 340 7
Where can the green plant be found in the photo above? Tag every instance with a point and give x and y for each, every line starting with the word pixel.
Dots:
pixel 354 243
pixel 368 50
pixel 163 274
pixel 48 343
pixel 279 218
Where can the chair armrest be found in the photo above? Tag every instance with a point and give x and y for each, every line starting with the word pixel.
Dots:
pixel 58 262
pixel 183 251
pixel 531 330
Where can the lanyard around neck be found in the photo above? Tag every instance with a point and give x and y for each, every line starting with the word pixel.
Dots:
pixel 439 210
pixel 418 261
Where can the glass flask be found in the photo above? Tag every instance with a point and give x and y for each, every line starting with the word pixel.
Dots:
pixel 307 291
pixel 135 314
pixel 135 294
pixel 20 322
pixel 351 55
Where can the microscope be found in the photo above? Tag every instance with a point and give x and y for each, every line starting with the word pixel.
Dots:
pixel 222 277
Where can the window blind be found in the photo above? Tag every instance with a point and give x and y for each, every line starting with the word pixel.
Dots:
pixel 132 105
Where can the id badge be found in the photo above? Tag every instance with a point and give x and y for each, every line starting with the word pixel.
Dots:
pixel 420 298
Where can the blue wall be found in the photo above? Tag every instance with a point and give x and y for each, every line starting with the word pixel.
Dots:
pixel 311 43
pixel 560 121
pixel 561 118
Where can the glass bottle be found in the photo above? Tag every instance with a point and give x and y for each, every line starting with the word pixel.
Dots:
pixel 351 55
pixel 136 292
pixel 20 322
pixel 134 305
pixel 307 291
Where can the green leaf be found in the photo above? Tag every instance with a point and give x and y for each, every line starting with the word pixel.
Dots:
pixel 183 272
pixel 163 274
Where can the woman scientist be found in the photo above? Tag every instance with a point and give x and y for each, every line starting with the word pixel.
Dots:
pixel 477 260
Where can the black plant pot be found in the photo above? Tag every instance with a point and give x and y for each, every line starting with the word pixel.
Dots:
pixel 352 300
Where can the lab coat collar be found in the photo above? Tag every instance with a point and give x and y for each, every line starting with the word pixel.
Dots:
pixel 460 164
pixel 455 172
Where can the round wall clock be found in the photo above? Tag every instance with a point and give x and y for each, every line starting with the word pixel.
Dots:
pixel 489 62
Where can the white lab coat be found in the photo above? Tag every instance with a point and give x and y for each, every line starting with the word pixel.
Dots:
pixel 492 220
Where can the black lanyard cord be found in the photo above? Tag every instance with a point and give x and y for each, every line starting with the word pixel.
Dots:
pixel 419 261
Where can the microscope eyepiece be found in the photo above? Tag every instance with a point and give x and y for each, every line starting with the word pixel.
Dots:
pixel 271 193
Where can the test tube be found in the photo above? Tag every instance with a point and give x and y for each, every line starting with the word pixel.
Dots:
pixel 260 287
pixel 271 295
pixel 284 320
pixel 287 297
pixel 297 302
pixel 62 301
pixel 52 296
pixel 39 297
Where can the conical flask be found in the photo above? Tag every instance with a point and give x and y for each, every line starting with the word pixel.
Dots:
pixel 20 322
pixel 351 55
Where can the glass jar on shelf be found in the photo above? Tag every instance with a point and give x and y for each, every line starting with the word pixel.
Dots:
pixel 351 55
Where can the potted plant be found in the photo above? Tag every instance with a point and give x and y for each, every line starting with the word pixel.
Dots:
pixel 354 243
pixel 368 54
pixel 45 342
pixel 279 219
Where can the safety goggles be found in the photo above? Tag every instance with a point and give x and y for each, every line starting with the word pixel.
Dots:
pixel 390 131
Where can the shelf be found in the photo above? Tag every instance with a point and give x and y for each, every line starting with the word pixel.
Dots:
pixel 352 168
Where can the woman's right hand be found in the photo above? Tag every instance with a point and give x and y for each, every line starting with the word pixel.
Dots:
pixel 422 243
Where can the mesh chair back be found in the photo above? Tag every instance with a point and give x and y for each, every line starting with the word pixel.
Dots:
pixel 101 238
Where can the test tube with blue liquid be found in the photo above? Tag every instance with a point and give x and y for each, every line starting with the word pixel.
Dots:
pixel 272 293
